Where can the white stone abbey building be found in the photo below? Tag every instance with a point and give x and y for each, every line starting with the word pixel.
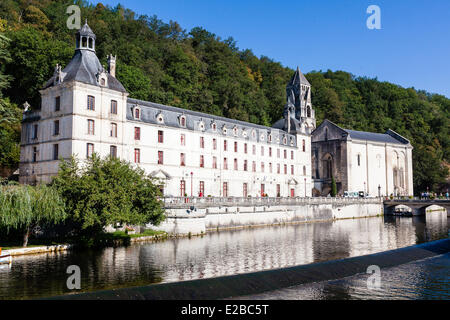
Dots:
pixel 85 109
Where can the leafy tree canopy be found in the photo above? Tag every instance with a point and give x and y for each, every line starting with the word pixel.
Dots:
pixel 105 192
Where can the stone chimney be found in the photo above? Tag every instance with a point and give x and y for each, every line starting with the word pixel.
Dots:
pixel 112 65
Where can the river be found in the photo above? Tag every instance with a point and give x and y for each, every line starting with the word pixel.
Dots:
pixel 231 252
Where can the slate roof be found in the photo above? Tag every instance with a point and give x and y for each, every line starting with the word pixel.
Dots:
pixel 298 78
pixel 389 137
pixel 371 136
pixel 150 111
pixel 84 68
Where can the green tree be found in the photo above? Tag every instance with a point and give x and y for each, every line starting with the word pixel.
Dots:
pixel 9 115
pixel 106 192
pixel 26 208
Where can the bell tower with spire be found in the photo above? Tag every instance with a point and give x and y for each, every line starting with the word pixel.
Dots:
pixel 298 93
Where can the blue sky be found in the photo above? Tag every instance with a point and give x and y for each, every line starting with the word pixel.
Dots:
pixel 412 48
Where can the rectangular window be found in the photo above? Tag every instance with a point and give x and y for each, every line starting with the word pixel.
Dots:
pixel 244 190
pixel 225 164
pixel 262 166
pixel 183 188
pixel 35 154
pixel 57 103
pixel 202 142
pixel 113 130
pixel 201 192
pixel 245 165
pixel 91 127
pixel 137 133
pixel 160 157
pixel 202 161
pixel 278 190
pixel 263 191
pixel 235 164
pixel 270 167
pixel 89 150
pixel 56 127
pixel 224 145
pixel 278 168
pixel 35 131
pixel 182 139
pixel 113 152
pixel 225 189
pixel 303 145
pixel 254 166
pixel 292 169
pixel 285 153
pixel 113 107
pixel 214 163
pixel 214 144
pixel 270 151
pixel 55 152
pixel 292 155
pixel 262 151
pixel 182 160
pixel 160 136
pixel 91 103
pixel 278 153
pixel 137 155
pixel 254 149
pixel 235 146
pixel 285 169
pixel 245 148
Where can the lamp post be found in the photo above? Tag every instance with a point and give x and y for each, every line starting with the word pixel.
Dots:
pixel 192 178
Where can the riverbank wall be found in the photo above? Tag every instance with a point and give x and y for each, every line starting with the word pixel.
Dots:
pixel 199 218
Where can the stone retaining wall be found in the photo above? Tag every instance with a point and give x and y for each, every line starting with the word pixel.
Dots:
pixel 195 221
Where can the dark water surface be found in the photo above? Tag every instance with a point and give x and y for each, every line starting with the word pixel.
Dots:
pixel 427 279
pixel 239 251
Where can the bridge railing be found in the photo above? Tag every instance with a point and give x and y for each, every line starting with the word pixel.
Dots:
pixel 236 201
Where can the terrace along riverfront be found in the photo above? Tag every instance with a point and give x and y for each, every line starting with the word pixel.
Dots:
pixel 216 254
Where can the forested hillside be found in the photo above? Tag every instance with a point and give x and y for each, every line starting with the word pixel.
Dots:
pixel 195 69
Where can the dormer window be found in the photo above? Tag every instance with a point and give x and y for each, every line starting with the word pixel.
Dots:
pixel 253 134
pixel 137 113
pixel 244 133
pixel 270 138
pixel 224 130
pixel 102 82
pixel 201 126
pixel 235 131
pixel 261 137
pixel 292 141
pixel 285 140
pixel 183 121
pixel 160 118
pixel 214 126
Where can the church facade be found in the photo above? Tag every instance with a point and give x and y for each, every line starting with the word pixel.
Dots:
pixel 85 109
pixel 374 163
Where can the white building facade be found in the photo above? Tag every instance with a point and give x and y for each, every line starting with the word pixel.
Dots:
pixel 379 164
pixel 85 109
